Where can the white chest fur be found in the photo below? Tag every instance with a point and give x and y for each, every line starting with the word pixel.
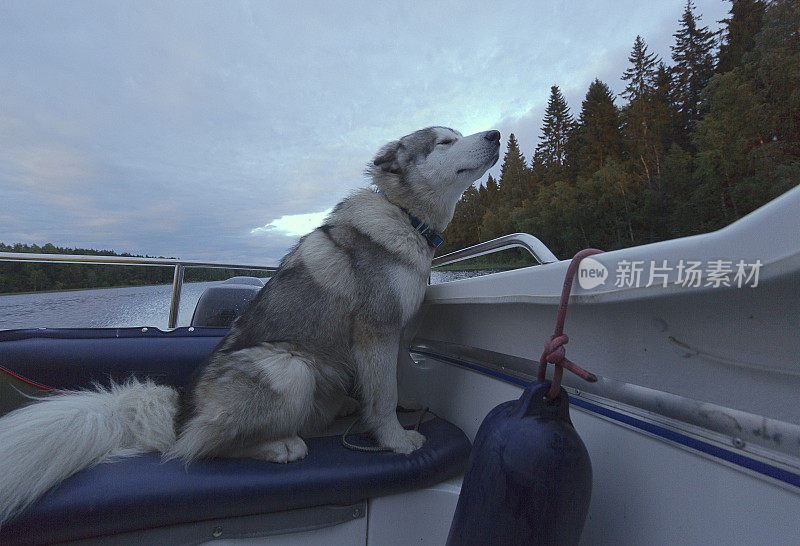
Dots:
pixel 409 287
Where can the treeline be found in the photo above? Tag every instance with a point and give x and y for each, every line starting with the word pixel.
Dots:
pixel 33 277
pixel 695 144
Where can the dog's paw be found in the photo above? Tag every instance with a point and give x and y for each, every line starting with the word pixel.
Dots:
pixel 284 450
pixel 406 442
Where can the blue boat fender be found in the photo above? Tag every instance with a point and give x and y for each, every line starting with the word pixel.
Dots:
pixel 529 479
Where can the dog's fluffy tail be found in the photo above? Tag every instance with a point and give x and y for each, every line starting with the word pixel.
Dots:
pixel 48 441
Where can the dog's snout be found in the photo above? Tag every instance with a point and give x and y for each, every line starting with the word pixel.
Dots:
pixel 492 136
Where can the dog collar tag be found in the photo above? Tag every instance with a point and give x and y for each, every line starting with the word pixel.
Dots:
pixel 434 239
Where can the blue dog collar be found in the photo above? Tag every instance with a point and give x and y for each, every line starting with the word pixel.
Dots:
pixel 433 237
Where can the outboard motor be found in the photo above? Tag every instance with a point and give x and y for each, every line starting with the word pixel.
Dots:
pixel 221 304
pixel 529 479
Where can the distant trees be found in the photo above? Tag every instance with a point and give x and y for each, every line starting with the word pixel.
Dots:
pixel 33 277
pixel 748 144
pixel 695 146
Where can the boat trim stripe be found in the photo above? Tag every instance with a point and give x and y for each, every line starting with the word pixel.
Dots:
pixel 731 457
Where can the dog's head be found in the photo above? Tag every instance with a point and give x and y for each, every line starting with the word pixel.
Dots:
pixel 428 170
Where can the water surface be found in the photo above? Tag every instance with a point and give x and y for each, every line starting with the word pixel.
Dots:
pixel 133 306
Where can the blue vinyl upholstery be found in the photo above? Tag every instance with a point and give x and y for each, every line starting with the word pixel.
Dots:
pixel 143 493
pixel 67 358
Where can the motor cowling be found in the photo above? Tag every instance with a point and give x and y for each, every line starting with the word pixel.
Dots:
pixel 529 479
pixel 222 303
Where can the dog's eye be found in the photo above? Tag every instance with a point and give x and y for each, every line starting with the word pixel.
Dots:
pixel 446 142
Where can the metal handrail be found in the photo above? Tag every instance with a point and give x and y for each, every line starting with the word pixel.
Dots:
pixel 534 246
pixel 177 278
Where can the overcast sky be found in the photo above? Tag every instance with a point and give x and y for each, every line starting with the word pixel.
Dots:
pixel 204 129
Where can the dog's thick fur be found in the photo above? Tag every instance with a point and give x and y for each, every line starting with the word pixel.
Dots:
pixel 325 327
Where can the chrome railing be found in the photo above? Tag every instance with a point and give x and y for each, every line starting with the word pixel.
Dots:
pixel 534 246
pixel 177 278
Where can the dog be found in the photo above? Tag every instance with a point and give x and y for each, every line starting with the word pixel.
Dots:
pixel 323 330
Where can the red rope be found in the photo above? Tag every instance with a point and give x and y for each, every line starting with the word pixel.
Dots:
pixel 28 381
pixel 554 351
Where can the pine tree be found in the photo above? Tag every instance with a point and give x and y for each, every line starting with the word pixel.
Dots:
pixel 662 162
pixel 472 201
pixel 513 174
pixel 640 75
pixel 598 131
pixel 492 191
pixel 694 65
pixel 557 124
pixel 644 118
pixel 741 28
pixel 664 105
pixel 484 194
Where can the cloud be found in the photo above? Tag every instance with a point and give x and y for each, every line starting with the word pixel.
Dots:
pixel 293 225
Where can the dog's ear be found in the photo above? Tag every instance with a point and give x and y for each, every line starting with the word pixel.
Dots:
pixel 387 159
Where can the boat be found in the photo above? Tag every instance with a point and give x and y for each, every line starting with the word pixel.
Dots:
pixel 692 427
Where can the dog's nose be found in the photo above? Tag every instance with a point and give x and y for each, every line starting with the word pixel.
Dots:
pixel 492 136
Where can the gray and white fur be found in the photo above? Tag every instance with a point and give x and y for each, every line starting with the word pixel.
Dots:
pixel 325 328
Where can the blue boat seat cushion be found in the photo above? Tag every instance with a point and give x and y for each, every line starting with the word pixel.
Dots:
pixel 142 493
pixel 75 358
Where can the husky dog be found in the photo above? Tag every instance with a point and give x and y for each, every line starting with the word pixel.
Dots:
pixel 325 327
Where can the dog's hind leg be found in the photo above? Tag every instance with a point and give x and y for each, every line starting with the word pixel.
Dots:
pixel 251 403
pixel 284 450
pixel 329 404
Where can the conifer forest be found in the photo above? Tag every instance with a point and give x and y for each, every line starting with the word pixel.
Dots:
pixel 692 144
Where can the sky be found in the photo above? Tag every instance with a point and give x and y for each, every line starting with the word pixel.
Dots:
pixel 225 130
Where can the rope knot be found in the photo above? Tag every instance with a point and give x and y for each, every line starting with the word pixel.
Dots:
pixel 554 349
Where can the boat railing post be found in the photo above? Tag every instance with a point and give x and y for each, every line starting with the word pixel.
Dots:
pixel 177 286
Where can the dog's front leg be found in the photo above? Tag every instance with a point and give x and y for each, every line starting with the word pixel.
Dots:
pixel 376 362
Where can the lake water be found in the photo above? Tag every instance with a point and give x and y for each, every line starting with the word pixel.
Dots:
pixel 120 307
